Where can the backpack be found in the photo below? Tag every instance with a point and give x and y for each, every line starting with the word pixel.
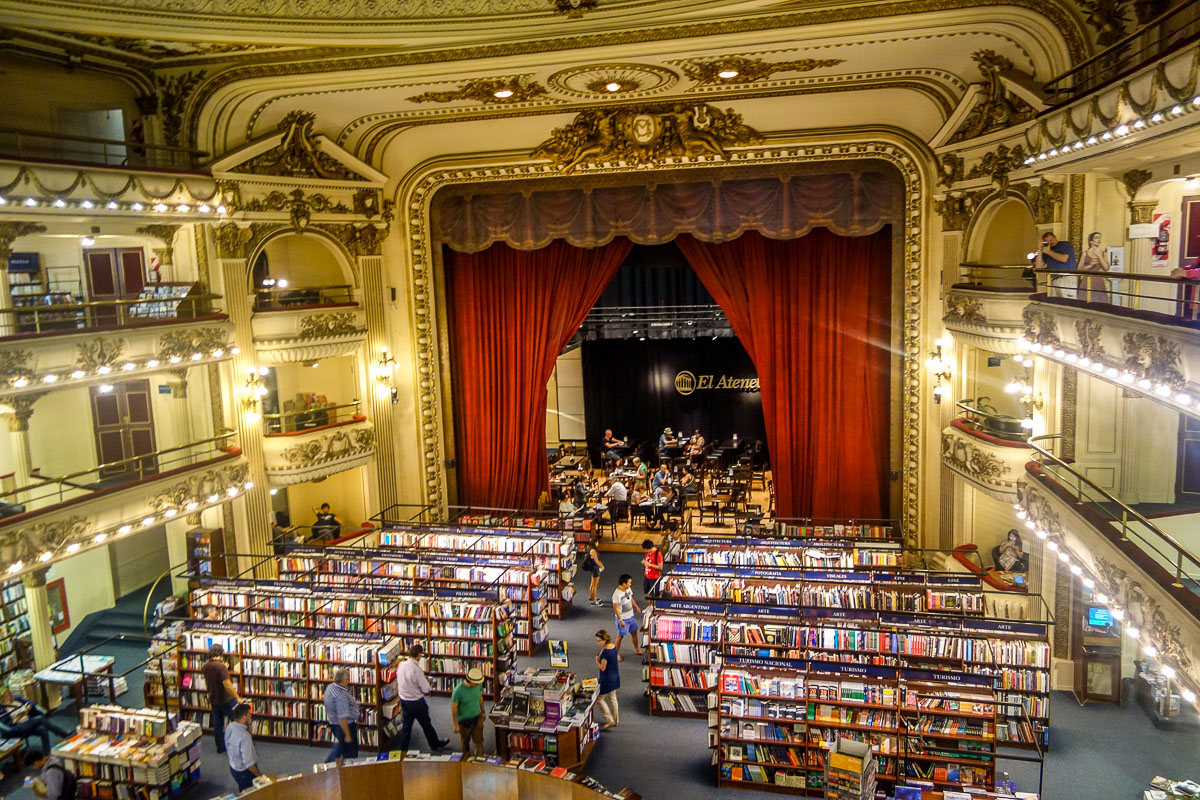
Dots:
pixel 70 784
pixel 589 563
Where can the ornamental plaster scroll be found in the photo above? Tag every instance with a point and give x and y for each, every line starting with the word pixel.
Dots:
pixel 1090 336
pixel 964 309
pixel 417 198
pixel 328 326
pixel 179 345
pixel 198 488
pixel 27 542
pixel 98 353
pixel 516 89
pixel 1040 327
pixel 298 154
pixel 972 461
pixel 1155 358
pixel 14 364
pixel 1144 612
pixel 316 457
pixel 749 70
pixel 300 207
pixel 999 108
pixel 294 351
pixel 11 231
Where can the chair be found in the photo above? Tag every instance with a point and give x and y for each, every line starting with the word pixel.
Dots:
pixel 758 472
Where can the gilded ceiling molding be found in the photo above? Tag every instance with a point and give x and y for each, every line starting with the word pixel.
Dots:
pixel 429 322
pixel 1108 18
pixel 299 206
pixel 739 69
pixel 997 163
pixel 574 9
pixel 607 80
pixel 645 135
pixel 1065 23
pixel 487 90
pixel 11 231
pixel 173 93
pixel 298 155
pixel 999 108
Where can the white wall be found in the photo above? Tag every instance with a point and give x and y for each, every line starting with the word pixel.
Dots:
pixel 305 260
pixel 564 399
pixel 63 416
pixel 88 581
pixel 346 493
pixel 40 88
pixel 138 560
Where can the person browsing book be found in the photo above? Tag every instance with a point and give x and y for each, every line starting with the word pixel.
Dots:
pixel 411 688
pixel 610 679
pixel 341 713
pixel 466 709
pixel 239 744
pixel 222 696
pixel 626 608
pixel 20 719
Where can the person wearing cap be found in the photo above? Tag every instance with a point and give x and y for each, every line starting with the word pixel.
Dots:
pixel 667 439
pixel 466 709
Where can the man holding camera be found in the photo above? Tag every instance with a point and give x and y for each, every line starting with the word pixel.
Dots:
pixel 1057 255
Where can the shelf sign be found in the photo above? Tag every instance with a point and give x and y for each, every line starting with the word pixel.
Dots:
pixel 684 605
pixel 763 611
pixel 815 612
pixel 996 626
pixel 863 670
pixel 937 676
pixel 766 663
pixel 24 262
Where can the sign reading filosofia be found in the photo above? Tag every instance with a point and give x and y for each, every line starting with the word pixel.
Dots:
pixel 687 382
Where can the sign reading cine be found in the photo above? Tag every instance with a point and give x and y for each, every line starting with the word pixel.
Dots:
pixel 687 382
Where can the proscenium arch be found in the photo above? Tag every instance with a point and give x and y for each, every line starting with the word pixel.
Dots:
pixel 346 262
pixel 789 152
pixel 1001 215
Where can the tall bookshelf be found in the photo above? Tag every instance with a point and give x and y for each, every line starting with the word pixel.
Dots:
pixel 128 754
pixel 683 640
pixel 791 553
pixel 774 722
pixel 392 569
pixel 459 629
pixel 16 649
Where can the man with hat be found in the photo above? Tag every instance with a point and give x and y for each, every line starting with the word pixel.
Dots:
pixel 466 708
pixel 667 439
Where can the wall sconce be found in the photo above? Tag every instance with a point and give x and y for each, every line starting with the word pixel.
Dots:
pixel 385 366
pixel 1030 399
pixel 939 368
pixel 253 393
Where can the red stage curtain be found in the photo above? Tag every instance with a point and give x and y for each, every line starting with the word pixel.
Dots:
pixel 511 314
pixel 814 314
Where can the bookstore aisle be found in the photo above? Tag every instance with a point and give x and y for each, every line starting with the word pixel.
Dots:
pixel 1099 751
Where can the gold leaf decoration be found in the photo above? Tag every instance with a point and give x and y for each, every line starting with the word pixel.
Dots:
pixel 749 70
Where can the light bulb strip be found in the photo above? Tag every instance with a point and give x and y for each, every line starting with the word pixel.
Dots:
pixel 1079 569
pixel 34 381
pixel 177 204
pixel 124 529
pixel 1170 113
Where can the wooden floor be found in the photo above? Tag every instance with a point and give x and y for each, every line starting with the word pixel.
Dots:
pixel 630 537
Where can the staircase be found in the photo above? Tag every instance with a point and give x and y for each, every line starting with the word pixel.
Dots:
pixel 123 618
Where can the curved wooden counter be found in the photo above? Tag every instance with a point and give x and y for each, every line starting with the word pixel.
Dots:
pixel 426 780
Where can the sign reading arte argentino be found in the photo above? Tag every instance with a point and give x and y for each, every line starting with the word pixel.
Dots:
pixel 687 382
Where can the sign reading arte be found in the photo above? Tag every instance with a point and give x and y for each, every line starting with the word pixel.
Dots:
pixel 687 382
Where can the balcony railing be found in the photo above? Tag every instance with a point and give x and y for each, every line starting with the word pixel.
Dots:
pixel 981 418
pixel 1181 565
pixel 65 318
pixel 1171 31
pixel 995 278
pixel 275 298
pixel 311 419
pixel 48 491
pixel 1157 299
pixel 28 145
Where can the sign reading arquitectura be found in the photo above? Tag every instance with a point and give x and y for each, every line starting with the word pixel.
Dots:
pixel 687 382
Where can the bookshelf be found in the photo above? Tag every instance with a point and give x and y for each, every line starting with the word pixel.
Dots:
pixel 161 687
pixel 683 638
pixel 206 552
pixel 131 754
pixel 794 553
pixel 519 584
pixel 880 530
pixel 16 649
pixel 775 721
pixel 459 629
pixel 545 714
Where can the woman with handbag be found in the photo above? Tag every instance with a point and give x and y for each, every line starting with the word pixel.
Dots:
pixel 593 564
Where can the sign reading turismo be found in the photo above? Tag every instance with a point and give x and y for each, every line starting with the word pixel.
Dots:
pixel 687 382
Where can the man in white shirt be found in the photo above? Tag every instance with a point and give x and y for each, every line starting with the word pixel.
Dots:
pixel 618 500
pixel 239 744
pixel 626 609
pixel 411 688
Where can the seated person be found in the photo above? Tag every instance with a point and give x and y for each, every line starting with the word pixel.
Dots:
pixel 688 482
pixel 581 491
pixel 667 509
pixel 566 507
pixel 618 497
pixel 327 526
pixel 695 446
pixel 1009 555
pixel 20 718
pixel 659 478
pixel 610 446
pixel 667 439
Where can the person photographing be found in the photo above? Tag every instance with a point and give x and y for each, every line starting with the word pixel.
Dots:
pixel 1057 255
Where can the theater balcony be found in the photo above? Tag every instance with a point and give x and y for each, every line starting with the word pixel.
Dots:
pixel 986 448
pixel 312 444
pixel 47 517
pixel 983 308
pixel 1139 332
pixel 302 325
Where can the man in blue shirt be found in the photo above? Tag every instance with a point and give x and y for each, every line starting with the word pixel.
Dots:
pixel 239 744
pixel 1057 255
pixel 342 712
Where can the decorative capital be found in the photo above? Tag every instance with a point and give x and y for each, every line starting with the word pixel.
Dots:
pixel 998 108
pixel 11 231
pixel 22 407
pixel 234 241
pixel 359 240
pixel 165 233
pixel 739 69
pixel 1134 180
pixel 645 135
pixel 1141 213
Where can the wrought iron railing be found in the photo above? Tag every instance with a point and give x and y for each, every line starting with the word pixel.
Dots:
pixel 1172 299
pixel 281 298
pixel 994 277
pixel 309 419
pixel 33 145
pixel 104 314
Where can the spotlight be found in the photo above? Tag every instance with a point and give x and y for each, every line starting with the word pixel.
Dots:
pixel 501 94
pixel 727 74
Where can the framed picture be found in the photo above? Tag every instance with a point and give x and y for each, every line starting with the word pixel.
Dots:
pixel 56 596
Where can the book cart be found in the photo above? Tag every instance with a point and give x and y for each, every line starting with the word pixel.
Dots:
pixel 849 617
pixel 501 535
pixel 131 754
pixel 775 721
pixel 516 583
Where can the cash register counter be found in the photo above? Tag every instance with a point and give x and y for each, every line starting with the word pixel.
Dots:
pixel 426 780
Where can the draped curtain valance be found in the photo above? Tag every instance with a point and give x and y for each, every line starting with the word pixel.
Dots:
pixel 850 203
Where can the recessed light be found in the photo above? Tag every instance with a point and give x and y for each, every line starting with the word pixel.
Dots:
pixel 502 94
pixel 728 73
pixel 613 86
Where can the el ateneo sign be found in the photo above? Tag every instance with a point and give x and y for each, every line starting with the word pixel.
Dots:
pixel 688 382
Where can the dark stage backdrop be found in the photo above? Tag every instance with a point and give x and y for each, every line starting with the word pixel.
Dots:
pixel 630 386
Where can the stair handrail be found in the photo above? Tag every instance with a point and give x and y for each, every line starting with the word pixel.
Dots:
pixel 150 594
pixel 1180 554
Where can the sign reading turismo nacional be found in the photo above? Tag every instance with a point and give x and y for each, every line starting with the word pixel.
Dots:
pixel 687 382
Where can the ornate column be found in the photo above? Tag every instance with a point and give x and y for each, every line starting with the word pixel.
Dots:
pixel 253 534
pixel 40 629
pixel 379 399
pixel 10 232
pixel 18 431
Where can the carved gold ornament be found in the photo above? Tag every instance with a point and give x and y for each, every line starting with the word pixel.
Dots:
pixel 173 93
pixel 574 8
pixel 972 461
pixel 327 326
pixel 997 164
pixel 299 206
pixel 964 309
pixel 950 169
pixel 1040 327
pixel 646 135
pixel 487 90
pixel 99 352
pixel 1109 18
pixel 181 344
pixel 1044 198
pixel 11 231
pixel 998 108
pixel 1153 358
pixel 1133 181
pixel 607 80
pixel 330 447
pixel 298 155
pixel 199 487
pixel 14 364
pixel 1089 335
pixel 739 69
pixel 28 542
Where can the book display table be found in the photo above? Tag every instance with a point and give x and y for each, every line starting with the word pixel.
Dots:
pixel 72 671
pixel 545 715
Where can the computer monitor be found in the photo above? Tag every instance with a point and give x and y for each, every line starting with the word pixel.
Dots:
pixel 1100 617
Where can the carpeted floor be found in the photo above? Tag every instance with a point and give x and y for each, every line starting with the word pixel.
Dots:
pixel 1098 751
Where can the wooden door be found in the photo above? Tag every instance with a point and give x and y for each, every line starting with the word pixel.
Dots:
pixel 124 428
pixel 1187 483
pixel 114 275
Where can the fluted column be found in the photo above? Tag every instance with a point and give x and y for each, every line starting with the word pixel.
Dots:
pixel 253 534
pixel 379 398
pixel 38 609
pixel 18 431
